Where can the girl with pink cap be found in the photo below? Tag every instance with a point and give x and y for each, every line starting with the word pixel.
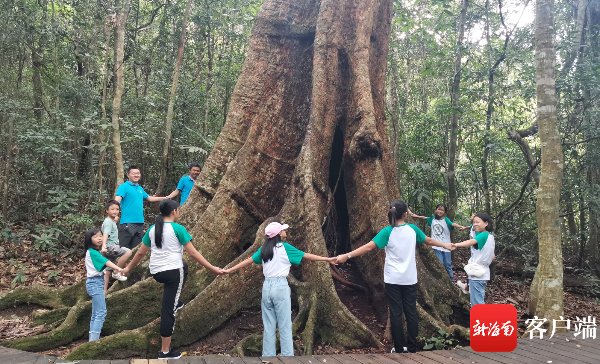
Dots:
pixel 276 257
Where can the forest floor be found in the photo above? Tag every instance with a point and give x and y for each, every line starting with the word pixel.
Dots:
pixel 20 264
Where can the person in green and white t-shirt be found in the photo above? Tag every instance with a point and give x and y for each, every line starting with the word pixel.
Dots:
pixel 95 263
pixel 276 257
pixel 166 241
pixel 399 240
pixel 482 254
pixel 441 229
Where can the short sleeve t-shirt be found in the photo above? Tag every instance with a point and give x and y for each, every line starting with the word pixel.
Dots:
pixel 170 255
pixel 400 243
pixel 185 185
pixel 482 253
pixel 95 263
pixel 109 228
pixel 284 255
pixel 132 202
pixel 440 230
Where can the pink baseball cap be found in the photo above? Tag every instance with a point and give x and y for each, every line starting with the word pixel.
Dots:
pixel 275 228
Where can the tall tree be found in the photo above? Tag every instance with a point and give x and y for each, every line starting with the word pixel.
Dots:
pixel 122 7
pixel 546 292
pixel 493 65
pixel 591 134
pixel 305 135
pixel 172 96
pixel 104 72
pixel 456 108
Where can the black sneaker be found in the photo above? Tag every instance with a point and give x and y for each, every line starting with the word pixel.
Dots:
pixel 172 354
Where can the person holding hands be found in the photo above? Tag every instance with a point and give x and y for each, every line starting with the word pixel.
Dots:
pixel 166 241
pixel 482 246
pixel 399 239
pixel 276 257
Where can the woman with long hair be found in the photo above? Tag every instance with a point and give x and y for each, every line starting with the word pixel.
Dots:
pixel 276 257
pixel 166 241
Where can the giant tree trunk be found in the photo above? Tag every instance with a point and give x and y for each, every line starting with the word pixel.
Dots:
pixel 172 95
pixel 119 64
pixel 305 134
pixel 546 293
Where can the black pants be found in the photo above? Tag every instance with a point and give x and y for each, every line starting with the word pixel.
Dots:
pixel 130 235
pixel 403 300
pixel 173 281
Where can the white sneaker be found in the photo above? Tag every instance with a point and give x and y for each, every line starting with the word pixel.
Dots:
pixel 119 277
pixel 463 286
pixel 393 351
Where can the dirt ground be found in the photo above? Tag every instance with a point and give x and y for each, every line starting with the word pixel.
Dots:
pixel 20 264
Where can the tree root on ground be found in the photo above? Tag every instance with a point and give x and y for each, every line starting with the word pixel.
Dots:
pixel 142 305
pixel 249 345
pixel 50 317
pixel 335 273
pixel 43 296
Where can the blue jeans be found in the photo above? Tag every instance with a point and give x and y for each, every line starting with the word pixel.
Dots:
pixel 477 291
pixel 446 260
pixel 276 306
pixel 95 289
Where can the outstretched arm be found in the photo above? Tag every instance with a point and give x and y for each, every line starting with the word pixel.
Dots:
pixel 173 194
pixel 319 258
pixel 459 226
pixel 155 198
pixel 413 215
pixel 466 243
pixel 364 249
pixel 430 241
pixel 114 266
pixel 142 251
pixel 191 250
pixel 244 263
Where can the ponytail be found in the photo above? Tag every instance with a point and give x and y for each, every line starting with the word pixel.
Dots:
pixel 159 223
pixel 397 211
pixel 166 208
pixel 269 244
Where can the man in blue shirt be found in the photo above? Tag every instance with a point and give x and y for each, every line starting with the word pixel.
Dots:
pixel 132 196
pixel 186 183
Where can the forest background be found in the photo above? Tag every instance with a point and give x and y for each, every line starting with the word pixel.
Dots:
pixel 87 88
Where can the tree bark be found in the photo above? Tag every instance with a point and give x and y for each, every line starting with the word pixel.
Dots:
pixel 172 96
pixel 36 80
pixel 11 150
pixel 577 38
pixel 491 99
pixel 517 137
pixel 102 137
pixel 118 69
pixel 456 110
pixel 546 292
pixel 593 146
pixel 307 112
